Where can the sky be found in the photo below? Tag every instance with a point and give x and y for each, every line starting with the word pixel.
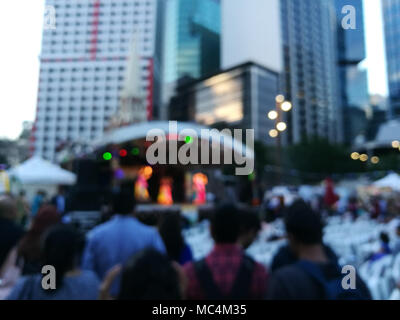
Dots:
pixel 21 33
pixel 375 62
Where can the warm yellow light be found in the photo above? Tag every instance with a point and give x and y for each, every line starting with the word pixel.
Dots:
pixel 273 115
pixel 355 156
pixel 364 157
pixel 395 144
pixel 273 133
pixel 281 126
pixel 280 98
pixel 375 160
pixel 286 106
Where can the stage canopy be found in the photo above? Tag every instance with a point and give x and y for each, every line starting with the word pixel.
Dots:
pixel 139 131
pixel 390 181
pixel 41 172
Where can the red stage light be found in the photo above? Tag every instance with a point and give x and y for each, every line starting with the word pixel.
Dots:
pixel 123 153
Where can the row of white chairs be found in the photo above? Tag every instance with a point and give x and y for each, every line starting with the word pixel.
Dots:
pixel 352 241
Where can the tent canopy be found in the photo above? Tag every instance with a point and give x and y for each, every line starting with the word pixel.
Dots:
pixel 38 171
pixel 392 181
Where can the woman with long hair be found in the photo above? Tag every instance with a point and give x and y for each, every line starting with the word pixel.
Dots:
pixel 30 246
pixel 62 249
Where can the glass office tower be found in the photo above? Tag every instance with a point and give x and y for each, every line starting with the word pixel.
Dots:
pixel 310 75
pixel 191 45
pixel 353 85
pixel 391 12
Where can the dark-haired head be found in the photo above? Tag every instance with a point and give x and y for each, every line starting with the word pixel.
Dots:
pixel 225 224
pixel 149 275
pixel 250 225
pixel 123 199
pixel 30 245
pixel 171 233
pixel 62 248
pixel 303 225
pixel 8 208
pixel 384 237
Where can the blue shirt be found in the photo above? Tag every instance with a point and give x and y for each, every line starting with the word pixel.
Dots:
pixel 84 286
pixel 115 241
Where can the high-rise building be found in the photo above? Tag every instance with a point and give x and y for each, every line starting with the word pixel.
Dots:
pixel 191 44
pixel 83 61
pixel 353 83
pixel 239 97
pixel 310 77
pixel 391 11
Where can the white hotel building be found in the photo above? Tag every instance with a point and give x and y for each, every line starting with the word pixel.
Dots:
pixel 82 68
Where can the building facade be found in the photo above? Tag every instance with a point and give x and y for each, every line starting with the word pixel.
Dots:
pixel 391 21
pixel 82 68
pixel 239 97
pixel 190 44
pixel 353 86
pixel 310 77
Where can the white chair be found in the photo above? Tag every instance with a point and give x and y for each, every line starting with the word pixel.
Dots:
pixel 395 295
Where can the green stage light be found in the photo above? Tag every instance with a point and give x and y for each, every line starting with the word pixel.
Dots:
pixel 107 156
pixel 135 151
pixel 252 176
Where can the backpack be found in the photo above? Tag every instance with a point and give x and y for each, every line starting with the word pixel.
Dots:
pixel 241 287
pixel 332 288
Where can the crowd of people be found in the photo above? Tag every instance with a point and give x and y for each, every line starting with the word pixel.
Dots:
pixel 123 258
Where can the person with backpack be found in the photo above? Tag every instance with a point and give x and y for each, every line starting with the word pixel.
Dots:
pixel 227 272
pixel 314 275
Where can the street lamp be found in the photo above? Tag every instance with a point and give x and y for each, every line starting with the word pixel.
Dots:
pixel 276 115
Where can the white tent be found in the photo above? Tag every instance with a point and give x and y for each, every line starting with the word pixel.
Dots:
pixel 36 171
pixel 392 181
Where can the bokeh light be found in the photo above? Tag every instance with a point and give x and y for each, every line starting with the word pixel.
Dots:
pixel 375 160
pixel 135 151
pixel 273 133
pixel 281 126
pixel 272 115
pixel 107 156
pixel 280 98
pixel 123 153
pixel 286 106
pixel 355 156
